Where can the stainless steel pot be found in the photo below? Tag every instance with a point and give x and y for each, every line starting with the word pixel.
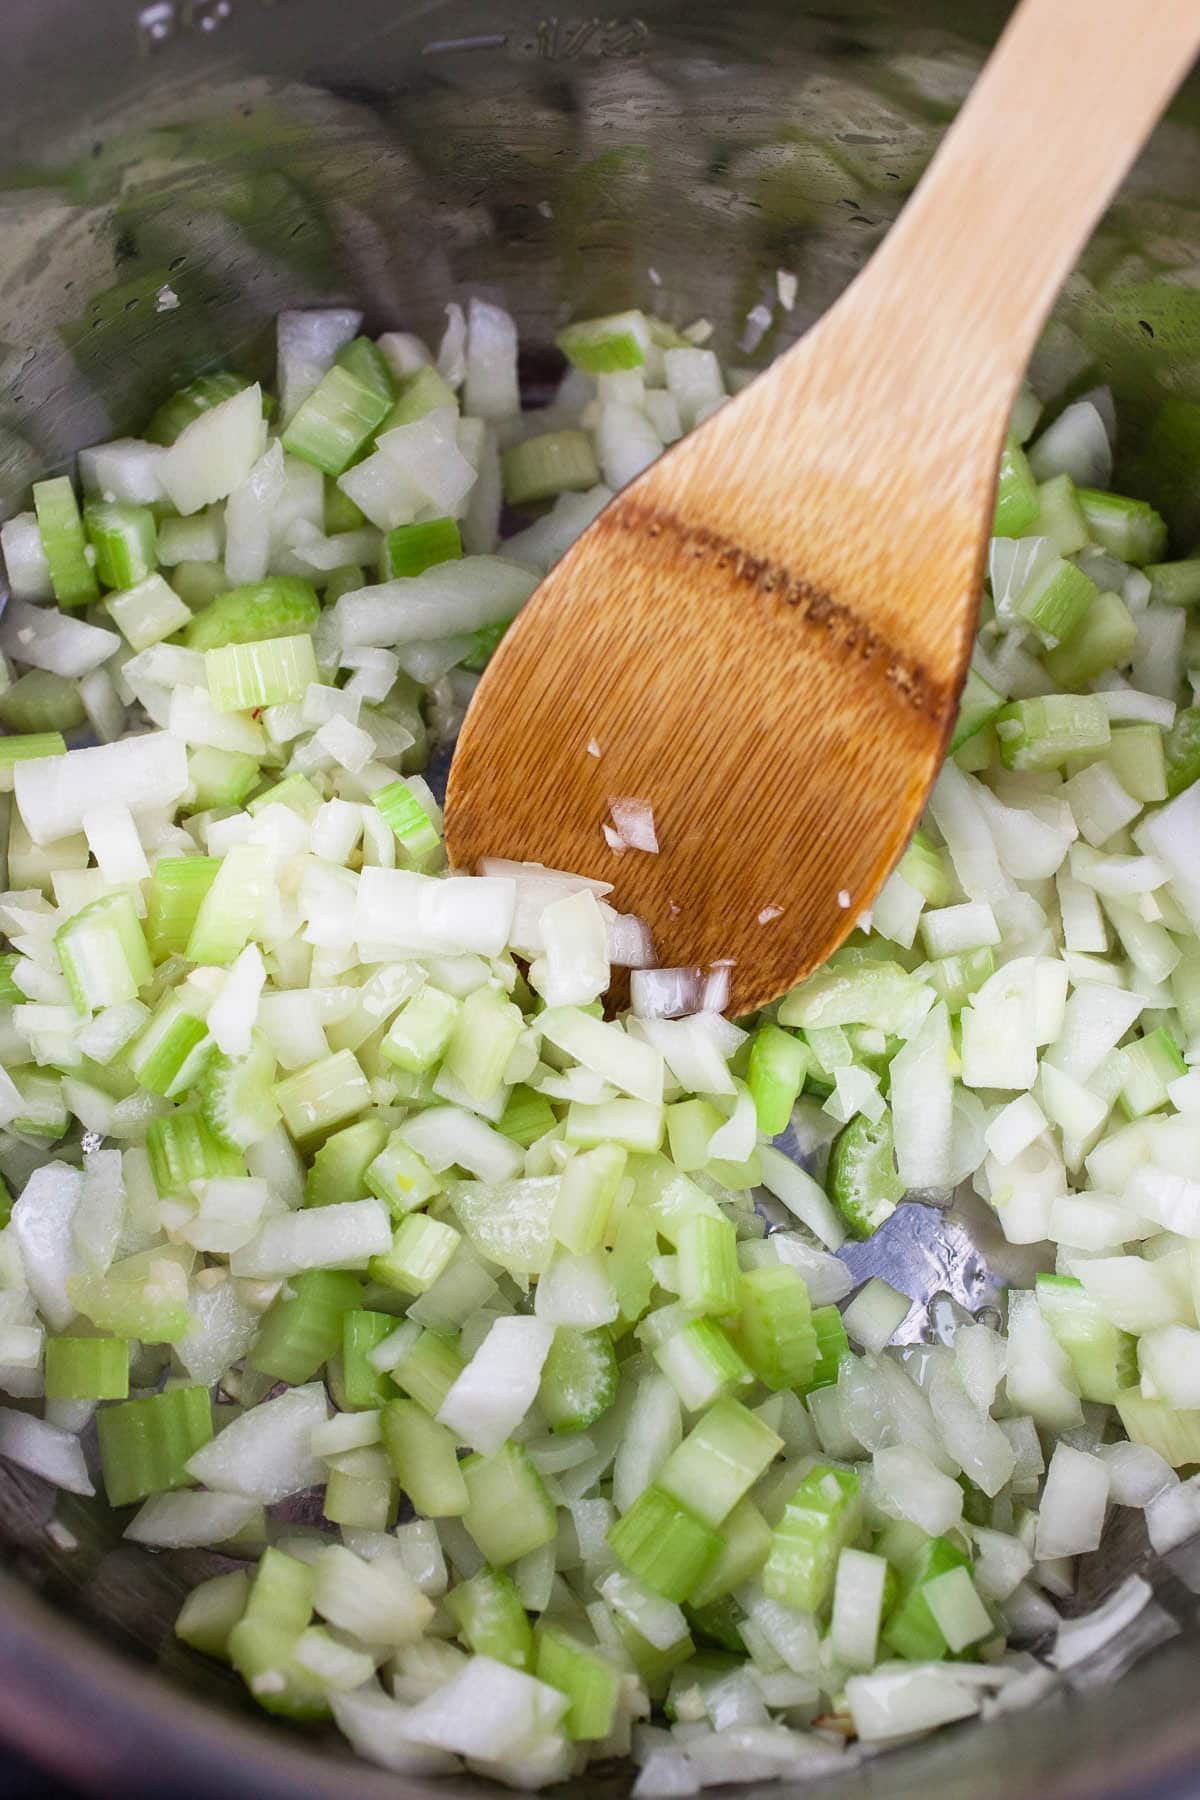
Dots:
pixel 171 177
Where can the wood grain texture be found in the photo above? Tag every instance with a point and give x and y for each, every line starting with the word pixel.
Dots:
pixel 767 631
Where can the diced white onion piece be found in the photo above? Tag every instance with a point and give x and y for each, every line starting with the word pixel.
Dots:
pixel 345 1235
pixel 452 597
pixel 216 452
pixel 45 1450
pixel 264 1454
pixel 55 792
pixel 499 1384
pixel 190 1521
pixel 44 638
pixel 306 345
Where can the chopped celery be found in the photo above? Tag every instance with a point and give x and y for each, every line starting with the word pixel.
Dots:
pixel 508 1512
pixel 1104 640
pixel 79 1368
pixel 243 676
pixel 425 1459
pixel 1016 493
pixel 862 1179
pixel 339 1168
pixel 339 418
pixel 590 1680
pixel 281 607
pixel 40 702
pixel 1103 1358
pixel 145 1445
pixel 71 573
pixel 1181 747
pixel 1128 529
pixel 821 1517
pixel 177 887
pixel 557 462
pixel 1042 733
pixel 411 549
pixel 775 1333
pixel 579 1379
pixel 491 1620
pixel 663 1545
pixel 303 1328
pixel 775 1075
pixel 124 539
pixel 421 1251
pixel 418 834
pixel 104 954
pixel 364 1387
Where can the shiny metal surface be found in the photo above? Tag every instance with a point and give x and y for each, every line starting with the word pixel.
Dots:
pixel 242 155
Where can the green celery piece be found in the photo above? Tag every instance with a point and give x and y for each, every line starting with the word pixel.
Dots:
pixel 1181 746
pixel 419 835
pixel 303 1328
pixel 424 1456
pixel 422 392
pixel 103 953
pixel 177 887
pixel 40 702
pixel 339 1168
pixel 341 514
pixel 145 1296
pixel 296 791
pixel 366 361
pixel 1174 1434
pixel 262 1644
pixel 30 747
pixel 527 1116
pixel 1138 760
pixel 211 1611
pixel 183 1148
pixel 79 1368
pixel 746 1545
pixel 602 346
pixel 64 542
pixel 236 1101
pixel 364 1387
pixel 145 1445
pixel 590 1680
pixel 422 1249
pixel 220 777
pixel 398 1176
pixel 776 1071
pixel 1150 1063
pixel 509 1513
pixel 832 1345
pixel 1060 516
pixel 775 1333
pixel 1104 1359
pixel 1016 493
pixel 956 978
pixel 1128 529
pixel 580 1378
pixel 1175 583
pixel 924 866
pixel 282 606
pixel 719 1461
pixel 821 1518
pixel 1105 639
pixel 411 549
pixel 1042 733
pixel 186 405
pixel 556 462
pixel 339 418
pixel 708 1266
pixel 491 1620
pixel 861 1178
pixel 245 677
pixel 664 1545
pixel 910 1630
pixel 124 538
pixel 430 1369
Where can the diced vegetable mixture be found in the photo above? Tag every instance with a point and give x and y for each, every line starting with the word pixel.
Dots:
pixel 327 1174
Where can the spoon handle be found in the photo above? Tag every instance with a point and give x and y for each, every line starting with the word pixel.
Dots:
pixel 1058 115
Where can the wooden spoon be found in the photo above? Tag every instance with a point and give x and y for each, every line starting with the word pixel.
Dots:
pixel 766 632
